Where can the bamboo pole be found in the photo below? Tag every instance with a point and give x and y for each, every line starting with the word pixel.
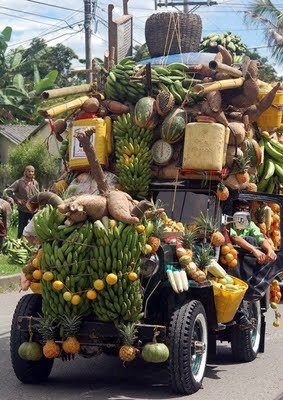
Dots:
pixel 62 108
pixel 217 66
pixel 219 85
pixel 66 91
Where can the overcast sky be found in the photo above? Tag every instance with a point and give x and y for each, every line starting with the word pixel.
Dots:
pixel 227 16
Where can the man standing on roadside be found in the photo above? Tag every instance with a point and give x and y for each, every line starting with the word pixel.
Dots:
pixel 21 191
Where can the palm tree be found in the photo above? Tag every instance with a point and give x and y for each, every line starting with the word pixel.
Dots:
pixel 265 14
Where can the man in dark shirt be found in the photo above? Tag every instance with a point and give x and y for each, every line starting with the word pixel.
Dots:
pixel 21 191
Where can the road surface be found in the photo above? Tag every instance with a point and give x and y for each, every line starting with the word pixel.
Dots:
pixel 104 378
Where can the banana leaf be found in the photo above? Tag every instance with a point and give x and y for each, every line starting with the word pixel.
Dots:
pixel 18 56
pixel 16 111
pixel 19 82
pixel 36 75
pixel 47 82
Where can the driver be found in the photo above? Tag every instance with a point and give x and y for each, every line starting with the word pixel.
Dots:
pixel 251 238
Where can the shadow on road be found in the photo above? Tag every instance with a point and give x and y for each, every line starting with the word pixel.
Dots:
pixel 102 378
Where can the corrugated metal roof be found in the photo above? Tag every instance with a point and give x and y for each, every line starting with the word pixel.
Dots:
pixel 17 133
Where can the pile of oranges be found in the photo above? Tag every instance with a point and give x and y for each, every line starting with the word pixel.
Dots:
pixel 229 255
pixel 275 292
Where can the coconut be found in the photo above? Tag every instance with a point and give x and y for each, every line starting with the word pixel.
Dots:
pixel 231 153
pixel 91 105
pixel 238 133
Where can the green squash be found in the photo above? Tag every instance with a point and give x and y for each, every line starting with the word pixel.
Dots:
pixel 155 352
pixel 174 125
pixel 146 115
pixel 30 351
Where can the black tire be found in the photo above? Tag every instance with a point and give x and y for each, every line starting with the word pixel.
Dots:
pixel 27 371
pixel 187 368
pixel 245 344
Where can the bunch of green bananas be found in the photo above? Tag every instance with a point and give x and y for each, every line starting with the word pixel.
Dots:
pixel 67 260
pixel 133 154
pixel 231 42
pixel 118 85
pixel 117 255
pixel 18 250
pixel 271 168
pixel 173 77
pixel 47 224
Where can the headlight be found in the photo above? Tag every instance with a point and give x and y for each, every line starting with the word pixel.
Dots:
pixel 149 266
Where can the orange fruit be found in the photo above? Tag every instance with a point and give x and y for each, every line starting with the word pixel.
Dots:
pixel 48 276
pixel 91 294
pixel 223 261
pixel 98 284
pixel 76 299
pixel 233 263
pixel 67 296
pixel 37 274
pixel 230 245
pixel 111 279
pixel 132 276
pixel 225 249
pixel 57 285
pixel 229 257
pixel 276 218
pixel 234 252
pixel 140 228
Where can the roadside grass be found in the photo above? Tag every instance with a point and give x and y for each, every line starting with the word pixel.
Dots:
pixel 7 267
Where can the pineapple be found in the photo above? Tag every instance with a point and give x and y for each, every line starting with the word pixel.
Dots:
pixel 154 240
pixel 188 239
pixel 128 352
pixel 242 165
pixel 203 257
pixel 46 329
pixel 71 326
pixel 208 228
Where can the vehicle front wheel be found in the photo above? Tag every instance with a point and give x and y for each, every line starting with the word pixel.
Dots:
pixel 245 344
pixel 27 371
pixel 188 347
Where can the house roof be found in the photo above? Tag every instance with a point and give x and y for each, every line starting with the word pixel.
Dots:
pixel 18 133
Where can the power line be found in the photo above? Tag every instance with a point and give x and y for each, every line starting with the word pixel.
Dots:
pixel 25 19
pixel 34 14
pixel 45 34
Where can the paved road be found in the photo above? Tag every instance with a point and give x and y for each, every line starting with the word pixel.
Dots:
pixel 103 378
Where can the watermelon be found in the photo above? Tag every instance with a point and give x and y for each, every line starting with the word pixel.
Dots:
pixel 146 115
pixel 173 127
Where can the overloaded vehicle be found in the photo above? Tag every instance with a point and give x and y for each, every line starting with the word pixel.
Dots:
pixel 139 250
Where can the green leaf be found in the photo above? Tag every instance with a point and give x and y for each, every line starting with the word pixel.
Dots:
pixel 47 82
pixel 16 111
pixel 7 33
pixel 36 75
pixel 11 91
pixel 19 82
pixel 17 57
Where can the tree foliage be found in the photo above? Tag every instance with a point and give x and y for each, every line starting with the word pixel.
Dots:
pixel 33 152
pixel 267 72
pixel 264 13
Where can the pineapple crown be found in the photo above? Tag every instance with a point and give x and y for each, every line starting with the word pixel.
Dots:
pixel 47 327
pixel 206 223
pixel 71 325
pixel 128 333
pixel 189 237
pixel 242 163
pixel 203 256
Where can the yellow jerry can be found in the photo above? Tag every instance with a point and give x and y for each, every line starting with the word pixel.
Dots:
pixel 77 157
pixel 205 146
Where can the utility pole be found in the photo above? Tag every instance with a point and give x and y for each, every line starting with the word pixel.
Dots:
pixel 186 7
pixel 87 26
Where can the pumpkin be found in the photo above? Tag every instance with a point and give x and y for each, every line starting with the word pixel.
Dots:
pixel 30 351
pixel 155 352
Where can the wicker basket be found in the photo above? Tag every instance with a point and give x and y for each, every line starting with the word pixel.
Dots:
pixel 173 33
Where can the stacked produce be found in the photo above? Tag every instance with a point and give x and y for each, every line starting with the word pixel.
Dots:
pixel 231 42
pixel 133 155
pixel 126 81
pixel 275 297
pixel 267 217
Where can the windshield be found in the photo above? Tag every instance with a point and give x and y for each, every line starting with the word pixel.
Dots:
pixel 187 206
